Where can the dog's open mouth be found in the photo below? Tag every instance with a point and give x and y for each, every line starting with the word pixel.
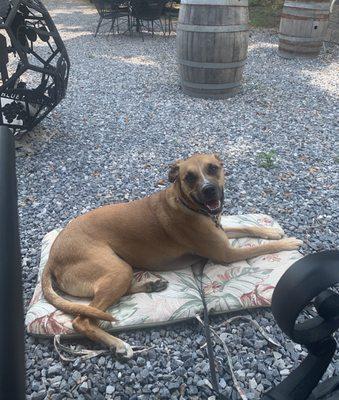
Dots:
pixel 213 205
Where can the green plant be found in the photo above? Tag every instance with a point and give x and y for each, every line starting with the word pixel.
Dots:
pixel 265 13
pixel 267 159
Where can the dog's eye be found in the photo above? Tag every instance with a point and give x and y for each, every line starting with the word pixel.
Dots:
pixel 212 169
pixel 190 178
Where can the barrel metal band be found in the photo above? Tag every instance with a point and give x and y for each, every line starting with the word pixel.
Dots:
pixel 212 28
pixel 318 17
pixel 197 64
pixel 311 6
pixel 305 12
pixel 232 3
pixel 210 85
pixel 305 18
pixel 297 39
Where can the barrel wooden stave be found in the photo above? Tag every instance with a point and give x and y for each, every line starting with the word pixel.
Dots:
pixel 333 25
pixel 211 52
pixel 303 27
pixel 210 60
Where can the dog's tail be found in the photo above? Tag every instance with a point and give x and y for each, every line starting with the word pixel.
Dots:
pixel 66 305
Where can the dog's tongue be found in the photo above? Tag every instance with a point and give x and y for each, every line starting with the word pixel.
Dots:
pixel 213 205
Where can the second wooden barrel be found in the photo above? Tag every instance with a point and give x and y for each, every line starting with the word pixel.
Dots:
pixel 303 27
pixel 333 25
pixel 212 41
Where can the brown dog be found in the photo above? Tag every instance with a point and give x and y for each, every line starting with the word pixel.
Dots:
pixel 95 254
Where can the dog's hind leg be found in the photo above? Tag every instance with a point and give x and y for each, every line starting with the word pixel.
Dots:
pixel 108 290
pixel 89 328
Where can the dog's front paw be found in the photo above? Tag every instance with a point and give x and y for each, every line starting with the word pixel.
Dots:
pixel 273 233
pixel 157 286
pixel 290 243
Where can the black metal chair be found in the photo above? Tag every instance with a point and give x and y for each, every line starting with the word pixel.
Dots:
pixel 149 11
pixel 111 10
pixel 169 12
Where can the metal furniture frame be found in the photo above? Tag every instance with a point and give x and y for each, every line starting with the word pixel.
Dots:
pixel 34 64
pixel 12 359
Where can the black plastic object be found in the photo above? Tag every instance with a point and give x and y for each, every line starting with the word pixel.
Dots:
pixel 309 280
pixel 34 65
pixel 12 362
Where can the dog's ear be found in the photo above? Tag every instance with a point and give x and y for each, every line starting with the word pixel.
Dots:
pixel 173 172
pixel 218 158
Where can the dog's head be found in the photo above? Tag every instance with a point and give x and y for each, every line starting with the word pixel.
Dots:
pixel 199 181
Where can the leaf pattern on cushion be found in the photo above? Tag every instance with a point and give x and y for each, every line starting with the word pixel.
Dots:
pixel 212 287
pixel 233 284
pixel 265 221
pixel 125 309
pixel 260 296
pixel 186 282
pixel 50 324
pixel 272 257
pixel 189 309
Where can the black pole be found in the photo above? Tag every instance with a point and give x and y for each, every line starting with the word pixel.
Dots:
pixel 12 359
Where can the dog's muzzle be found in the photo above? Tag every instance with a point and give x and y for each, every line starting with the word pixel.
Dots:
pixel 212 197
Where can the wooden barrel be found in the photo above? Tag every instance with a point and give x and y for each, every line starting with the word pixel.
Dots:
pixel 303 27
pixel 333 25
pixel 212 40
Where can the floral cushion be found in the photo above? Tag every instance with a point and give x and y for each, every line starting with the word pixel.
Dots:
pixel 240 285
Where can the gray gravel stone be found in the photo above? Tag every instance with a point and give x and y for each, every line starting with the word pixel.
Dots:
pixel 110 389
pixel 164 393
pixel 76 376
pixel 241 375
pixel 35 386
pixel 141 361
pixel 222 383
pixel 253 384
pixel 260 344
pixel 54 370
pixel 173 386
pixel 101 361
pixel 83 388
pixel 39 395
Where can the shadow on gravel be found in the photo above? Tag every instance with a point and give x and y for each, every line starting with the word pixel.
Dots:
pixel 301 73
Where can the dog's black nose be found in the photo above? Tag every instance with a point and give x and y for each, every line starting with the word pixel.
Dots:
pixel 209 191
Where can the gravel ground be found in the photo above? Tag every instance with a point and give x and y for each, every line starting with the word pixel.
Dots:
pixel 123 121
